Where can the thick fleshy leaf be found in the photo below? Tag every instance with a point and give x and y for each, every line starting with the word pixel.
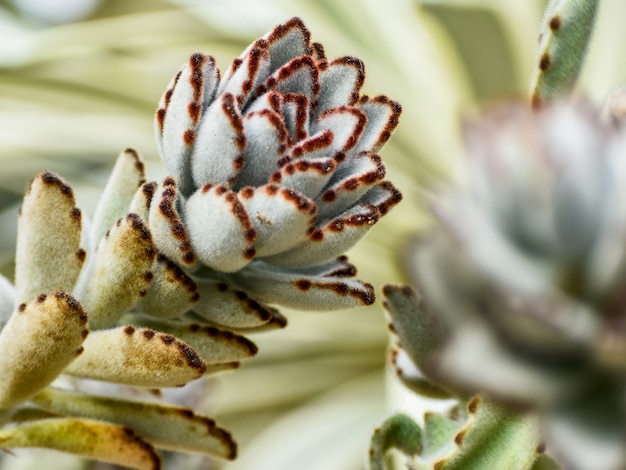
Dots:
pixel 340 83
pixel 281 217
pixel 266 142
pixel 140 204
pixel 339 267
pixel 213 345
pixel 331 239
pixel 412 378
pixel 347 124
pixel 315 146
pixel 355 176
pixel 7 300
pixel 40 339
pixel 247 72
pixel 221 304
pixel 119 273
pixel 128 174
pixel 277 321
pixel 382 118
pixel 286 41
pixel 220 143
pixel 396 432
pixel 220 230
pixel 167 427
pixel 168 231
pixel 180 112
pixel 295 112
pixel 307 176
pixel 295 290
pixel 300 75
pixel 137 356
pixel 89 439
pixel 48 255
pixel 171 292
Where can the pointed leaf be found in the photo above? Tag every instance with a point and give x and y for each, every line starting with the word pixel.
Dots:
pixel 137 356
pixel 281 217
pixel 89 439
pixel 179 113
pixel 167 427
pixel 296 290
pixel 220 230
pixel 340 83
pixel 48 255
pixel 213 345
pixel 222 305
pixel 219 144
pixel 40 339
pixel 119 273
pixel 128 174
pixel 305 175
pixel 142 200
pixel 171 292
pixel 266 141
pixel 382 118
pixel 168 231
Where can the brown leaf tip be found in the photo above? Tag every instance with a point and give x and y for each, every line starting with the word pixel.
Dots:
pixel 81 254
pixel 555 23
pixel 129 330
pixel 472 405
pixel 545 62
pixel 21 307
pixel 50 179
pixel 148 334
pixel 132 438
pixel 458 439
pixel 193 360
pixel 541 448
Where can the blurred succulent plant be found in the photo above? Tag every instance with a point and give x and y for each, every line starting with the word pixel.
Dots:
pixel 275 173
pixel 522 278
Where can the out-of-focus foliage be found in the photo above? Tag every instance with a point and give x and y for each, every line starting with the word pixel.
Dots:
pixel 73 95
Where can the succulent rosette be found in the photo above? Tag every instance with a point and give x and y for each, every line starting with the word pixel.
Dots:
pixel 522 281
pixel 274 172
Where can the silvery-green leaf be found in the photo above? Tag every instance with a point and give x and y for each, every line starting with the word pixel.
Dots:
pixel 220 141
pixel 180 112
pixel 90 439
pixel 213 345
pixel 281 217
pixel 40 339
pixel 221 304
pixel 304 292
pixel 166 427
pixel 340 83
pixel 382 118
pixel 127 176
pixel 266 141
pixel 399 432
pixel 412 378
pixel 306 175
pixel 119 273
pixel 221 231
pixel 299 75
pixel 251 70
pixel 171 292
pixel 48 254
pixel 296 114
pixel 355 176
pixel 286 41
pixel 347 124
pixel 314 146
pixel 137 356
pixel 168 231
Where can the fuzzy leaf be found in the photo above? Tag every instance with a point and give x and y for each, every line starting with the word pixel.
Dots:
pixel 7 300
pixel 89 439
pixel 40 339
pixel 347 123
pixel 299 75
pixel 166 427
pixel 412 377
pixel 127 176
pixel 304 292
pixel 220 230
pixel 137 356
pixel 286 41
pixel 213 345
pixel 48 255
pixel 398 431
pixel 565 33
pixel 222 305
pixel 340 83
pixel 307 176
pixel 119 274
pixel 383 116
pixel 142 200
pixel 247 73
pixel 171 292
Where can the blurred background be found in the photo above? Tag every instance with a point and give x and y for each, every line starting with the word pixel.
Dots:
pixel 80 81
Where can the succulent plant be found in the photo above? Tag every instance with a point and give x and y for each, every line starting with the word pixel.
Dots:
pixel 274 173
